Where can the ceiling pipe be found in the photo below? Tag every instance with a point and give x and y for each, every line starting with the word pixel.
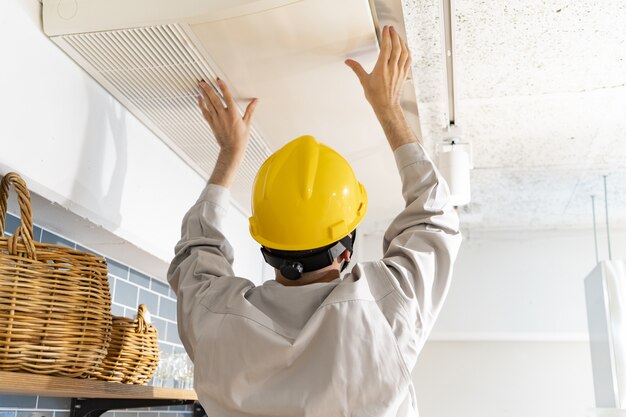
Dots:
pixel 606 211
pixel 595 229
pixel 447 8
pixel 455 154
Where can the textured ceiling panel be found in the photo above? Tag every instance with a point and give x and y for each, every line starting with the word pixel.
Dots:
pixel 571 130
pixel 422 24
pixel 541 96
pixel 542 199
pixel 591 183
pixel 535 47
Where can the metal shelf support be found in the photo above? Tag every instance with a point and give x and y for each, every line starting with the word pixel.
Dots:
pixel 95 407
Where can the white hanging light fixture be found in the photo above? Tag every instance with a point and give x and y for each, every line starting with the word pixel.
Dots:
pixel 605 296
pixel 455 163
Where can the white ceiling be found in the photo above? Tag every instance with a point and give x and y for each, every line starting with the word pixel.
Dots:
pixel 541 89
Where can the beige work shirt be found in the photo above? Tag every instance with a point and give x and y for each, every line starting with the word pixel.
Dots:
pixel 343 348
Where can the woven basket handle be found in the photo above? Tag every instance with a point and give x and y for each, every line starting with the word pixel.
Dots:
pixel 142 324
pixel 25 229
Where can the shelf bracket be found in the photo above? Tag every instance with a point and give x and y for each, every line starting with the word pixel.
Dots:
pixel 95 407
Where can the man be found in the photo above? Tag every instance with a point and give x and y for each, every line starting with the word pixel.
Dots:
pixel 311 343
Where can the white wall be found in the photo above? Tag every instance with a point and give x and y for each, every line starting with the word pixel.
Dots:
pixel 504 379
pixel 511 339
pixel 523 283
pixel 78 147
pixel 517 284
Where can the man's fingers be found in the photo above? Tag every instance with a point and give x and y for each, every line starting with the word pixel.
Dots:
pixel 385 45
pixel 210 97
pixel 201 103
pixel 404 56
pixel 206 112
pixel 357 68
pixel 396 47
pixel 407 64
pixel 228 97
pixel 247 115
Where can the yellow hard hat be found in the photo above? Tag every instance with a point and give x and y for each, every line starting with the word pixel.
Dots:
pixel 305 196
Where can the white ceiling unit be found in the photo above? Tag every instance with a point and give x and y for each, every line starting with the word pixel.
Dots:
pixel 150 54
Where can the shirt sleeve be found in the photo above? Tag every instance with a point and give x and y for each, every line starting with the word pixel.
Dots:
pixel 202 255
pixel 421 244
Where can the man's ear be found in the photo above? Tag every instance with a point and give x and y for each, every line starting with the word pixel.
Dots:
pixel 345 255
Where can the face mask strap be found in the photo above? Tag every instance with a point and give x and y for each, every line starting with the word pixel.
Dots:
pixel 347 243
pixel 293 264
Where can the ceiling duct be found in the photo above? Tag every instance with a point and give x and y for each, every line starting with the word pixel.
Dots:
pixel 154 70
pixel 150 54
pixel 454 154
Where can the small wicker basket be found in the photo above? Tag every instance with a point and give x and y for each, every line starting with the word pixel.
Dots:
pixel 133 354
pixel 55 305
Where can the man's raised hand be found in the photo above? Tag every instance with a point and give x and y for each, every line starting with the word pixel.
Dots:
pixel 230 129
pixel 383 86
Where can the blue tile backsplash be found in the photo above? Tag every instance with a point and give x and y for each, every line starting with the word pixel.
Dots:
pixel 49 237
pixel 150 299
pixel 125 293
pixel 18 401
pixel 53 403
pixel 34 413
pixel 167 309
pixel 128 289
pixel 161 288
pixel 139 279
pixel 11 223
pixel 117 269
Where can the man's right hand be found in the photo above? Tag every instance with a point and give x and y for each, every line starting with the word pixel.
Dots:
pixel 230 129
pixel 383 86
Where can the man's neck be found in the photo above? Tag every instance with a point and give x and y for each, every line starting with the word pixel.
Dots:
pixel 309 278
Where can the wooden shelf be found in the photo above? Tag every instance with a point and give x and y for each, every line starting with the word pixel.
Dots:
pixel 55 386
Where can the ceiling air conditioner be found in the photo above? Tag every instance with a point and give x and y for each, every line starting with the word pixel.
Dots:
pixel 150 54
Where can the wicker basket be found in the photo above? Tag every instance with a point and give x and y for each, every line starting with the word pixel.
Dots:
pixel 55 303
pixel 133 354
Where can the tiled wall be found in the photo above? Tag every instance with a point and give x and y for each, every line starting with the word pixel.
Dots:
pixel 128 288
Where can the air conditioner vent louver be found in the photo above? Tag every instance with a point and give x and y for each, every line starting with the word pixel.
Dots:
pixel 155 70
